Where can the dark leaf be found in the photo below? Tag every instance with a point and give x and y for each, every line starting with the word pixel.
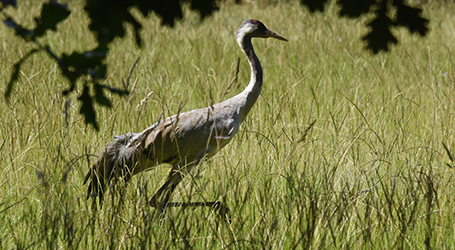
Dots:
pixel 51 14
pixel 204 7
pixel 380 36
pixel 15 75
pixel 137 27
pixel 61 5
pixel 117 91
pixel 87 108
pixel 69 90
pixel 168 10
pixel 100 97
pixel 70 75
pixel 107 17
pixel 86 60
pixel 9 2
pixel 314 5
pixel 355 8
pixel 78 64
pixel 99 72
pixel 20 31
pixel 410 17
pixel 72 78
pixel 86 63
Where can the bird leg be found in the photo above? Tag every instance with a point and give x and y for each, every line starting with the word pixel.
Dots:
pixel 222 209
pixel 174 178
pixel 166 190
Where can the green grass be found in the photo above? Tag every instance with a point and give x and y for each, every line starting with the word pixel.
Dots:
pixel 371 173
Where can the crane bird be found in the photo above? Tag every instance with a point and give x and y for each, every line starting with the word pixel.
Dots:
pixel 183 139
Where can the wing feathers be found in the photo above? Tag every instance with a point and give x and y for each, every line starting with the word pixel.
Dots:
pixel 174 140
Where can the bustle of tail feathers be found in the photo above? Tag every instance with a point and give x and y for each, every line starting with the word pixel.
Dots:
pixel 114 162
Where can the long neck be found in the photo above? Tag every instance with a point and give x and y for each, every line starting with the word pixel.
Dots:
pixel 253 89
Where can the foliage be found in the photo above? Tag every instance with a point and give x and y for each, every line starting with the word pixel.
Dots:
pixel 107 20
pixel 107 23
pixel 379 38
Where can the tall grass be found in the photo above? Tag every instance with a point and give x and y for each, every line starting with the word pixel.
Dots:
pixel 371 172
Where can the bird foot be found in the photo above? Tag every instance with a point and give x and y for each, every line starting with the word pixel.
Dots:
pixel 219 207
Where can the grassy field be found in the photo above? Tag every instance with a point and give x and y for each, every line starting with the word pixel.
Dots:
pixel 372 172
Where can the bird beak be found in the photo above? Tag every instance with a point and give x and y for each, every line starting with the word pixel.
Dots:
pixel 269 33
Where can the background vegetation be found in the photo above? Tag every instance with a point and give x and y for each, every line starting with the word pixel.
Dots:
pixel 372 172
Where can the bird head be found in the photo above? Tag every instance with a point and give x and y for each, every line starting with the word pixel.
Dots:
pixel 255 28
